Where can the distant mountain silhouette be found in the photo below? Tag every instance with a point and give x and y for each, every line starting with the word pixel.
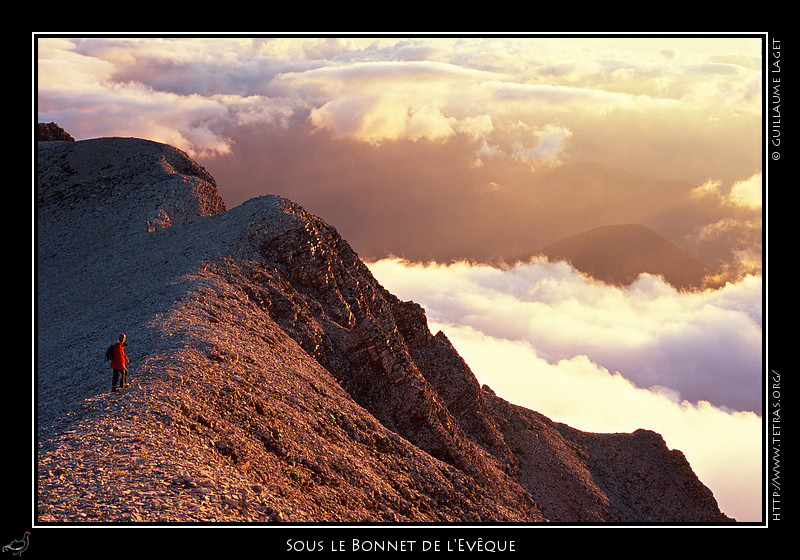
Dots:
pixel 618 254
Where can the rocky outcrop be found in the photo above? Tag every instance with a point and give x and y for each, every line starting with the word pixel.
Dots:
pixel 274 379
pixel 51 132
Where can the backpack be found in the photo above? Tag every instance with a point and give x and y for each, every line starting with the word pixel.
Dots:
pixel 110 352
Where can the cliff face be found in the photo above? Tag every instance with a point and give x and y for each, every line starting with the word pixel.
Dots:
pixel 273 379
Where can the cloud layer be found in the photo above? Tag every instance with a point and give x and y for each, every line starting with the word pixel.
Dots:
pixel 483 147
pixel 699 345
pixel 606 359
pixel 511 94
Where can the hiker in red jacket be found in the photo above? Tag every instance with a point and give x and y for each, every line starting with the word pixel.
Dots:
pixel 118 364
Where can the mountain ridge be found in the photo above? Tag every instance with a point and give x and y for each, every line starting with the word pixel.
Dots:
pixel 273 379
pixel 618 254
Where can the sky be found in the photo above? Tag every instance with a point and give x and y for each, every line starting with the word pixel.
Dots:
pixel 447 162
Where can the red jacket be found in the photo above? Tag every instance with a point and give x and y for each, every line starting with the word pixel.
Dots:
pixel 120 359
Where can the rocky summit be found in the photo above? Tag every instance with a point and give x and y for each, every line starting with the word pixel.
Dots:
pixel 273 379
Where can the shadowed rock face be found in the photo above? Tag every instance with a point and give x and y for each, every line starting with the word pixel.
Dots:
pixel 275 380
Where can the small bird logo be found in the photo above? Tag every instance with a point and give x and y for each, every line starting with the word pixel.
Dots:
pixel 18 546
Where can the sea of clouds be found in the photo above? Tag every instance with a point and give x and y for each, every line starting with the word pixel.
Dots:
pixel 606 359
